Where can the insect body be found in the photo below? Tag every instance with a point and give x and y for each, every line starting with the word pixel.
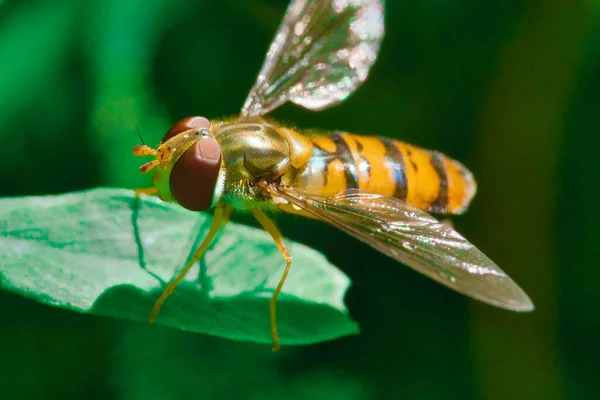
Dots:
pixel 427 180
pixel 378 190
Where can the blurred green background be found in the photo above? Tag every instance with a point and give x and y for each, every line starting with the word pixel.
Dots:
pixel 510 88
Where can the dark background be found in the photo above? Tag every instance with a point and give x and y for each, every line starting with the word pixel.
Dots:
pixel 510 88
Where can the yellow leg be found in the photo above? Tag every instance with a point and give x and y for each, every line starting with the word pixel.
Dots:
pixel 149 191
pixel 227 213
pixel 276 235
pixel 220 216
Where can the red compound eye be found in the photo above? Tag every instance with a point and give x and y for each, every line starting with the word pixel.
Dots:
pixel 194 176
pixel 186 124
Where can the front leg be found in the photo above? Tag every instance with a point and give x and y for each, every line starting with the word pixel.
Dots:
pixel 220 217
pixel 151 191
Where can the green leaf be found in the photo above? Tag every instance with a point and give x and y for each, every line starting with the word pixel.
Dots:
pixel 105 252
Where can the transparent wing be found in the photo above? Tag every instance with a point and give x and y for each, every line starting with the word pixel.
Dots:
pixel 321 53
pixel 416 239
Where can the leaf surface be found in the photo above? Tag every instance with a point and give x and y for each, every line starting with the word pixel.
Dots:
pixel 103 251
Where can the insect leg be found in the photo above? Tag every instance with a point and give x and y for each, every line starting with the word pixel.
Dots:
pixel 220 216
pixel 148 191
pixel 276 235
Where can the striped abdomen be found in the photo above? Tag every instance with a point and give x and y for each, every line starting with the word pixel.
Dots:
pixel 425 179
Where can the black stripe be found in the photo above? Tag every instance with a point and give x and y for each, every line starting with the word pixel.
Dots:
pixel 343 152
pixel 394 158
pixel 363 160
pixel 441 203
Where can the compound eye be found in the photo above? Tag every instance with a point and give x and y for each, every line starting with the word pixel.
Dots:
pixel 194 176
pixel 185 124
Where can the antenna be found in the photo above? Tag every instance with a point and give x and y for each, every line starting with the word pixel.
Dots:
pixel 140 135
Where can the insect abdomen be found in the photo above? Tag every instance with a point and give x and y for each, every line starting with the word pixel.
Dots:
pixel 425 179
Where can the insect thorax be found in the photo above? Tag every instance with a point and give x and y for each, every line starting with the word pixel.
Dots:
pixel 252 152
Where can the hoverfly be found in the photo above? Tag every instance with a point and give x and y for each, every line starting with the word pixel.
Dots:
pixel 378 190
